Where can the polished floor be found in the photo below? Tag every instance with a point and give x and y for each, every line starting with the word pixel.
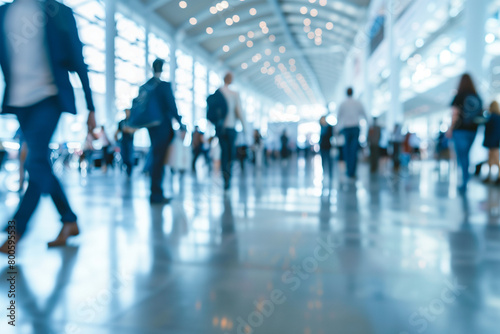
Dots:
pixel 282 252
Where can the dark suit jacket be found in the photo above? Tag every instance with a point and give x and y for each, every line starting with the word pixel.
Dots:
pixel 65 54
pixel 164 95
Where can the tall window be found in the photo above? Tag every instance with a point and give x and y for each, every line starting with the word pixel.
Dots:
pixel 158 48
pixel 214 82
pixel 200 92
pixel 184 86
pixel 130 60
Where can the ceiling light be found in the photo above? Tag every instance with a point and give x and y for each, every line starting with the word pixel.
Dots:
pixel 307 22
pixel 213 10
pixel 225 48
pixel 277 59
pixel 293 68
pixel 490 38
pixel 225 4
pixel 303 10
pixel 322 2
pixel 282 49
pixel 314 12
pixel 329 25
pixel 229 21
pixel 263 70
pixel 210 30
pixel 219 7
pixel 419 43
pixel 312 1
pixel 253 11
pixel 193 21
pixel 244 66
pixel 318 32
pixel 311 35
pixel 262 24
pixel 249 44
pixel 265 30
pixel 307 29
pixel 267 63
pixel 291 61
pixel 236 18
pixel 250 34
pixel 242 38
pixel 183 4
pixel 272 38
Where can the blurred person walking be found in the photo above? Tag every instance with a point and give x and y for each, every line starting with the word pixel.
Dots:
pixel 37 91
pixel 198 146
pixel 162 134
pixel 397 140
pixel 23 153
pixel 351 112
pixel 125 136
pixel 325 147
pixel 467 107
pixel 106 149
pixel 374 136
pixel 226 130
pixel 492 141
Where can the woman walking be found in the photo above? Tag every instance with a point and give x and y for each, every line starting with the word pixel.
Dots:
pixel 492 141
pixel 467 107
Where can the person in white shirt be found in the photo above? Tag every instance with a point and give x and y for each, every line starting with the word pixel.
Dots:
pixel 351 112
pixel 227 135
pixel 39 45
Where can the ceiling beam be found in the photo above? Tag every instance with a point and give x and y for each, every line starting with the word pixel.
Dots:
pixel 294 6
pixel 236 31
pixel 156 4
pixel 310 74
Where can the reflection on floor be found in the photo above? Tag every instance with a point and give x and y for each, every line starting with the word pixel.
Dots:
pixel 280 253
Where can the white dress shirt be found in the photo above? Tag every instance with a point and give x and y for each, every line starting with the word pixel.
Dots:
pixel 351 112
pixel 31 76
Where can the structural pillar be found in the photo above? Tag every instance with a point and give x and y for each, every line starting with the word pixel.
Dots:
pixel 173 65
pixel 147 66
pixel 194 94
pixel 475 18
pixel 110 59
pixel 395 113
pixel 368 89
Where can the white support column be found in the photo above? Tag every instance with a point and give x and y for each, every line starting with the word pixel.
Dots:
pixel 368 89
pixel 194 94
pixel 173 65
pixel 110 59
pixel 475 18
pixel 147 66
pixel 395 113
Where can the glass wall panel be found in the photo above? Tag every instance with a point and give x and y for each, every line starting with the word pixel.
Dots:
pixel 184 86
pixel 200 92
pixel 159 48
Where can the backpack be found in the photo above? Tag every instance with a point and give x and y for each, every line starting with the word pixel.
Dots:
pixel 472 110
pixel 146 110
pixel 217 109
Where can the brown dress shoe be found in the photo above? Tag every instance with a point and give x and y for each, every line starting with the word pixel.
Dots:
pixel 68 230
pixel 5 247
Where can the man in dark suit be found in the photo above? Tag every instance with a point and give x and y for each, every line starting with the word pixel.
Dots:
pixel 161 135
pixel 39 45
